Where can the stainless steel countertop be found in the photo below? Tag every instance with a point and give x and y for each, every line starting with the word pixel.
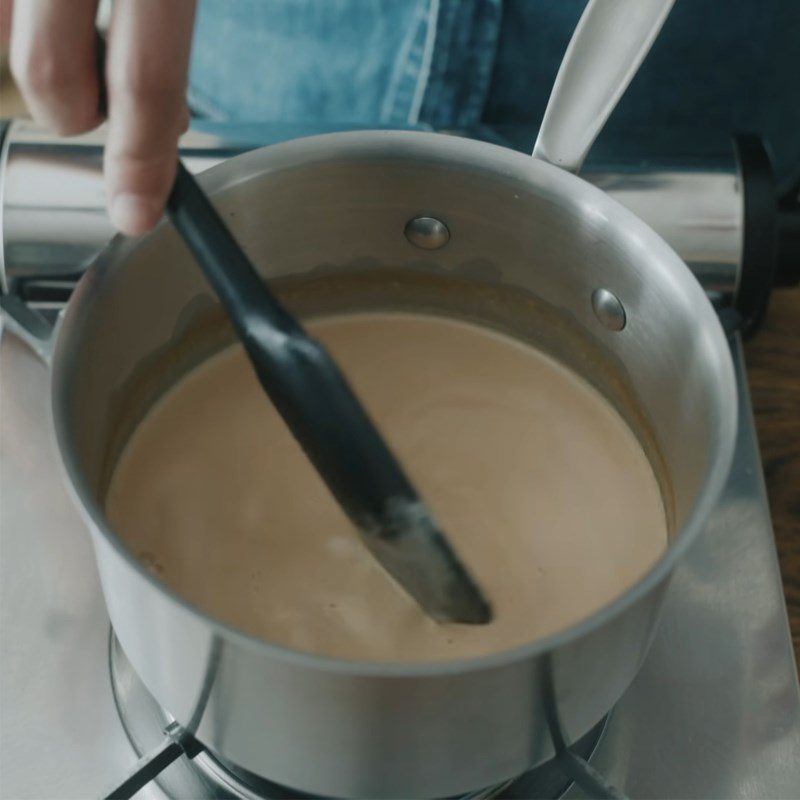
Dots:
pixel 715 711
pixel 60 735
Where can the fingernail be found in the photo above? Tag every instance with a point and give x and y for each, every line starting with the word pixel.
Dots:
pixel 133 214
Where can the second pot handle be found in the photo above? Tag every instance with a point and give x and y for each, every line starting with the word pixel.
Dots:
pixel 610 42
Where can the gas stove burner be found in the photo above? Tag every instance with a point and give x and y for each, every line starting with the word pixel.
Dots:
pixel 209 776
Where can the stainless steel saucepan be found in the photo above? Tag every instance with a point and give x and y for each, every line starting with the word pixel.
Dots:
pixel 428 222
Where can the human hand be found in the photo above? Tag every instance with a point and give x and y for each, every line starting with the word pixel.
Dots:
pixel 53 57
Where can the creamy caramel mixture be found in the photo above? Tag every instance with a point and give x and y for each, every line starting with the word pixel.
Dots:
pixel 541 487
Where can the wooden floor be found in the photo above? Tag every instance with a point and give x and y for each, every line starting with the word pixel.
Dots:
pixel 773 367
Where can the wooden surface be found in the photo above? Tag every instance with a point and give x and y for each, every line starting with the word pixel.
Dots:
pixel 773 367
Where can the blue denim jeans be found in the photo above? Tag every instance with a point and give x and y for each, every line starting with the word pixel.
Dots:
pixel 718 65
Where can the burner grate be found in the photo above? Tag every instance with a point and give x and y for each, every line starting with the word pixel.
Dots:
pixel 161 742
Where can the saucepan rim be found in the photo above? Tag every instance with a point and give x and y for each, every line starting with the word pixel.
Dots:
pixel 467 153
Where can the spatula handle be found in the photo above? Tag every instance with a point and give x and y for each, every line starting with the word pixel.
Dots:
pixel 302 380
pixel 610 42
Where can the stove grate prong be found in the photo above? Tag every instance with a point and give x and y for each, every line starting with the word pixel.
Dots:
pixel 176 743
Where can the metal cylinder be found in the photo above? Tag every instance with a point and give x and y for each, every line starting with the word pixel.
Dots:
pixel 53 218
pixel 52 206
pixel 697 208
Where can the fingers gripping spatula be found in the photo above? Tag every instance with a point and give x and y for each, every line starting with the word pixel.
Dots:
pixel 321 410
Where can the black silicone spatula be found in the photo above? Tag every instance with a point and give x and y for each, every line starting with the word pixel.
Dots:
pixel 326 418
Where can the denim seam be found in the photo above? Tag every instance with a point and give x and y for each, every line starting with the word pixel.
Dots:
pixel 436 81
pixel 396 108
pixel 484 52
pixel 427 61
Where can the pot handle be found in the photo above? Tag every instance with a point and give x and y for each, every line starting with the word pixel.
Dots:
pixel 29 325
pixel 610 42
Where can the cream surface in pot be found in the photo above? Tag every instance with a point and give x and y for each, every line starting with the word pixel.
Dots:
pixel 541 486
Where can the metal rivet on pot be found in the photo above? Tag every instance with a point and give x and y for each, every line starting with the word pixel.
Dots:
pixel 608 309
pixel 428 233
